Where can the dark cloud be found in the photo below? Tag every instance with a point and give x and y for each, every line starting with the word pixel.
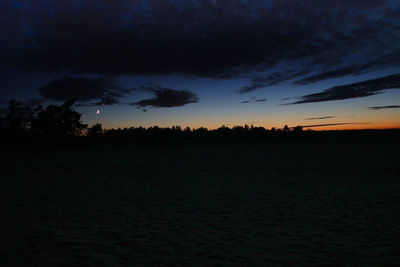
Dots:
pixel 166 98
pixel 254 99
pixel 87 91
pixel 389 59
pixel 28 103
pixel 321 118
pixel 257 83
pixel 272 79
pixel 219 39
pixel 333 124
pixel 384 107
pixel 354 90
pixel 331 74
pixel 34 102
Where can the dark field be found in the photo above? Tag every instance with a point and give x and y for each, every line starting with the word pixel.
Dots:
pixel 202 205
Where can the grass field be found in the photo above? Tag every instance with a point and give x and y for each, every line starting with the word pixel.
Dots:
pixel 202 205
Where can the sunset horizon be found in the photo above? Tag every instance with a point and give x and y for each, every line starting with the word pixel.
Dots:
pixel 200 132
pixel 206 63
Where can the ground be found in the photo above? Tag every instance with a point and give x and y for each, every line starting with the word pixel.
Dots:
pixel 200 205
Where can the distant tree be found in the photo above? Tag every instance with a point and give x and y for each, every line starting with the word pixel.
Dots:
pixel 95 130
pixel 298 129
pixel 58 120
pixel 201 131
pixel 223 130
pixel 286 128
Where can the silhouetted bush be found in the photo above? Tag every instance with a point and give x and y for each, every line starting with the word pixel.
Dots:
pixel 95 130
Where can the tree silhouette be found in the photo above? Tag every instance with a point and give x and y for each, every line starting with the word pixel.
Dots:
pixel 18 117
pixel 95 130
pixel 58 120
pixel 286 128
pixel 297 129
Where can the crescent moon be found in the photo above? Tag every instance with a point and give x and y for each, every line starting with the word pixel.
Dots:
pixel 98 112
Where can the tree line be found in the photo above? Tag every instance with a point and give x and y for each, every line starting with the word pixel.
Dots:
pixel 63 120
pixel 58 123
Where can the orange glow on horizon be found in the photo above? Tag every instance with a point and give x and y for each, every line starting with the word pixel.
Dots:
pixel 375 126
pixel 356 127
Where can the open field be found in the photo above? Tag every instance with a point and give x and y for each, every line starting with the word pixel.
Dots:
pixel 229 205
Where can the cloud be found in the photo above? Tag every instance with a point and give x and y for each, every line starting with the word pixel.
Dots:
pixel 390 59
pixel 385 107
pixel 271 79
pixel 219 39
pixel 166 98
pixel 34 102
pixel 331 74
pixel 87 91
pixel 354 90
pixel 321 118
pixel 333 124
pixel 254 99
pixel 31 103
pixel 257 83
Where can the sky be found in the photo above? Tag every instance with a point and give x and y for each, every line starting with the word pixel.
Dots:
pixel 332 64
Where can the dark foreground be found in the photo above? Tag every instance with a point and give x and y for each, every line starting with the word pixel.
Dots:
pixel 201 205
